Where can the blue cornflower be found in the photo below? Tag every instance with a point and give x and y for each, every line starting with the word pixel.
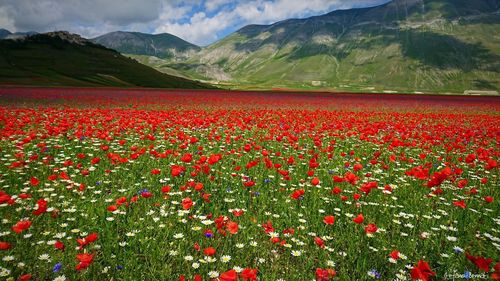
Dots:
pixel 267 180
pixel 374 273
pixel 57 267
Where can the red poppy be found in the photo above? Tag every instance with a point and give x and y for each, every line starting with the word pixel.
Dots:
pixel 187 203
pixel 112 208
pixel 268 227
pixel 59 245
pixel 166 189
pixel 229 275
pixel 371 228
pixel 359 219
pixel 210 251
pixel 394 254
pixel 42 207
pixel 488 199
pixel 422 271
pixel 481 262
pixel 34 181
pixel 188 157
pixel 329 220
pixel 325 274
pixel 238 213
pixel 87 240
pixel 315 181
pixel 232 227
pixel 21 226
pixel 25 277
pixel 319 242
pixel 297 194
pixel 460 204
pixel 85 260
pixel 249 274
pixel 5 246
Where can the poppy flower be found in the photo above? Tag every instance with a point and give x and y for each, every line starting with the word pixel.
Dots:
pixel 210 251
pixel 359 219
pixel 5 246
pixel 238 213
pixel 42 207
pixel 25 277
pixel 460 204
pixel 315 181
pixel 325 274
pixel 112 208
pixel 187 203
pixel 481 262
pixel 318 241
pixel 371 228
pixel 188 157
pixel 21 226
pixel 59 245
pixel 229 275
pixel 394 254
pixel 249 274
pixel 488 199
pixel 85 259
pixel 422 271
pixel 329 220
pixel 232 227
pixel 268 227
pixel 34 181
pixel 87 240
pixel 297 194
pixel 166 189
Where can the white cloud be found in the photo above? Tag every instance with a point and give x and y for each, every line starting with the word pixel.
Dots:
pixel 200 29
pixel 200 22
pixel 212 5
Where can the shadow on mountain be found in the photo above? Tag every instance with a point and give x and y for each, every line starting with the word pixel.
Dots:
pixel 430 49
pixel 447 52
pixel 483 84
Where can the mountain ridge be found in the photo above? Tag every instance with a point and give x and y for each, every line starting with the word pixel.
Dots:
pixel 163 45
pixel 64 59
pixel 436 45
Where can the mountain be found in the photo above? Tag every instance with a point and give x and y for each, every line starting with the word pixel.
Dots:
pixel 403 45
pixel 5 34
pixel 64 59
pixel 159 45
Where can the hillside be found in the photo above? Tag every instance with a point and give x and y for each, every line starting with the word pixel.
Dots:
pixel 159 45
pixel 64 59
pixel 404 45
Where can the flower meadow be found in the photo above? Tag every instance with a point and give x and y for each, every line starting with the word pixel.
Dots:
pixel 213 185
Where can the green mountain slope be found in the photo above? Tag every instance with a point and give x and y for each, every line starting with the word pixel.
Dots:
pixel 159 45
pixel 404 45
pixel 63 59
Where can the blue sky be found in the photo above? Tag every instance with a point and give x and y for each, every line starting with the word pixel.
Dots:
pixel 200 22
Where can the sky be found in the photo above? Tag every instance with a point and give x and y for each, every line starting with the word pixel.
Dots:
pixel 200 22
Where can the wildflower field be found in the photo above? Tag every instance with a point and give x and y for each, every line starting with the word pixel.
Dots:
pixel 213 185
